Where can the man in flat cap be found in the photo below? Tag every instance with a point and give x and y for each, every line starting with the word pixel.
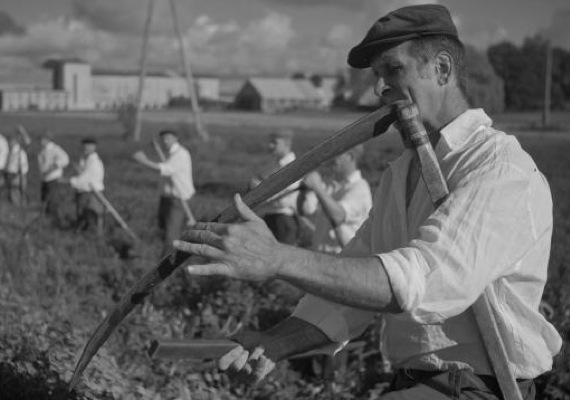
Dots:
pixel 89 179
pixel 279 212
pixel 52 160
pixel 421 267
pixel 177 187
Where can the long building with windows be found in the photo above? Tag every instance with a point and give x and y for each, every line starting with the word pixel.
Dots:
pixel 75 85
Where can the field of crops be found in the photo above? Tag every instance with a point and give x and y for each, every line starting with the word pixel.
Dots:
pixel 56 285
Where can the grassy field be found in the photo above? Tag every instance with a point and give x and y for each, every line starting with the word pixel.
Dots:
pixel 56 285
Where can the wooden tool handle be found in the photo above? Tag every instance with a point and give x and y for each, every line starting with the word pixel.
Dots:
pixel 198 349
pixel 354 134
pixel 363 129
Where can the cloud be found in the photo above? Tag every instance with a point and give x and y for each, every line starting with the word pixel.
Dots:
pixel 122 16
pixel 348 4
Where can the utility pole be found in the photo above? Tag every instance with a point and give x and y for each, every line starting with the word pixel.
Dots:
pixel 188 75
pixel 547 84
pixel 136 133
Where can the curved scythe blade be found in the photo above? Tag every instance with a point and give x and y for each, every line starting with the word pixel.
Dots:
pixel 354 134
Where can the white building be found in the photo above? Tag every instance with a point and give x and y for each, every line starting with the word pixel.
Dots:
pixel 273 95
pixel 75 86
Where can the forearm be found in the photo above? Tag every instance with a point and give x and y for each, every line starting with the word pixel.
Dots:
pixel 288 338
pixel 356 282
pixel 151 164
pixel 331 207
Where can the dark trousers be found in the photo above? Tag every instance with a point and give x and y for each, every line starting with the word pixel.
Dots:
pixel 446 385
pixel 284 227
pixel 90 212
pixel 51 194
pixel 16 185
pixel 171 221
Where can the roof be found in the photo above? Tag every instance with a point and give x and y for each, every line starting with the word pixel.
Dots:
pixel 283 88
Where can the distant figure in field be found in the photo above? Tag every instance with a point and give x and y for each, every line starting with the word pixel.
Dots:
pixel 4 151
pixel 52 160
pixel 343 205
pixel 279 213
pixel 89 179
pixel 177 187
pixel 16 169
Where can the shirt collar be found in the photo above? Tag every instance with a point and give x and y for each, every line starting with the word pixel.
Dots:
pixel 354 176
pixel 459 131
pixel 287 158
pixel 174 148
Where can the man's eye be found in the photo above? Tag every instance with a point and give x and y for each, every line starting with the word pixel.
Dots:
pixel 394 68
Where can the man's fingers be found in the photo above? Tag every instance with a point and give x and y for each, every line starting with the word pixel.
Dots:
pixel 210 270
pixel 198 249
pixel 230 357
pixel 262 369
pixel 257 352
pixel 217 227
pixel 244 211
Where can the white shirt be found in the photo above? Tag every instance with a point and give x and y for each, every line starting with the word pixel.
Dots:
pixel 493 230
pixel 354 196
pixel 286 205
pixel 49 157
pixel 4 151
pixel 178 169
pixel 91 174
pixel 17 162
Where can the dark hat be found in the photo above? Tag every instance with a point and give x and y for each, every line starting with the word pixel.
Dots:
pixel 400 25
pixel 88 140
pixel 165 132
pixel 283 134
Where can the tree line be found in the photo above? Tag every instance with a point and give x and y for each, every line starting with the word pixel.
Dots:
pixel 505 77
pixel 522 69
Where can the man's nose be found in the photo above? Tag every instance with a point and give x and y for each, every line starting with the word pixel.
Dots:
pixel 380 87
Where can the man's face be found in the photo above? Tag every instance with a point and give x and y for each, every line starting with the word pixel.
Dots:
pixel 399 76
pixel 89 148
pixel 168 140
pixel 342 165
pixel 279 146
pixel 44 142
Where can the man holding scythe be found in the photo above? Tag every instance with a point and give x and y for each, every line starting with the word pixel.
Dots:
pixel 422 265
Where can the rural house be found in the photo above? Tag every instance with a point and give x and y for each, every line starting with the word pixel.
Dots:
pixel 274 95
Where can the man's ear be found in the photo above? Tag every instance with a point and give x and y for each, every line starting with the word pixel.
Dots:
pixel 444 67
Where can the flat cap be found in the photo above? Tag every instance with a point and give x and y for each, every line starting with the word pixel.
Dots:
pixel 283 134
pixel 399 26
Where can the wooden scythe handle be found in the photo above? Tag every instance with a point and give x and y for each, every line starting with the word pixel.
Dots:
pixel 415 136
pixel 356 133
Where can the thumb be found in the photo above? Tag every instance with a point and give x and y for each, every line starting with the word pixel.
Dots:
pixel 244 211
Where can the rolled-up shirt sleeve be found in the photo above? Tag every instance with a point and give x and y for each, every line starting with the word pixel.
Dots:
pixel 168 167
pixel 61 159
pixel 474 238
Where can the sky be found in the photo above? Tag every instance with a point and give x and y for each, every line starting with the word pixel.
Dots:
pixel 238 37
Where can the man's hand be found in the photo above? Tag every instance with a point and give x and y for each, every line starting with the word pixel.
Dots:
pixel 244 250
pixel 314 181
pixel 140 157
pixel 247 362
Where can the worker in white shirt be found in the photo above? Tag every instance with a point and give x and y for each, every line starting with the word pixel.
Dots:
pixel 177 187
pixel 4 151
pixel 89 179
pixel 420 265
pixel 343 205
pixel 52 160
pixel 339 208
pixel 17 168
pixel 279 213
